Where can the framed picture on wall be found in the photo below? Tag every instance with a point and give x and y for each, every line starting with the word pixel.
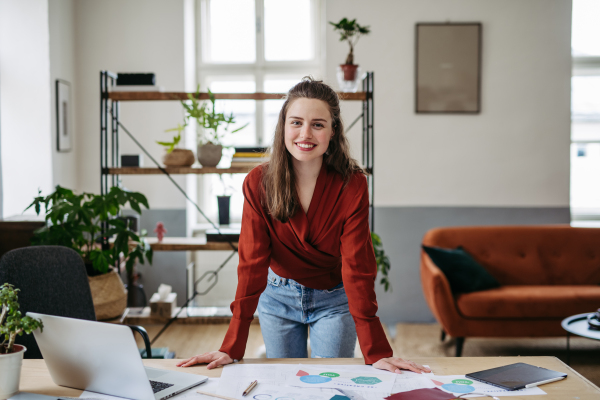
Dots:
pixel 448 68
pixel 64 126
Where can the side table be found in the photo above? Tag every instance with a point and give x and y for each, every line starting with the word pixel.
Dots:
pixel 578 325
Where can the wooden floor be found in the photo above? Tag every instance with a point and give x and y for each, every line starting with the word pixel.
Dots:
pixel 407 340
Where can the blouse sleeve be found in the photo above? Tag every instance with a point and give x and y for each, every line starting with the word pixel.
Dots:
pixel 359 270
pixel 254 260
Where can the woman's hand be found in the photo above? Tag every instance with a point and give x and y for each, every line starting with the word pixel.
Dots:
pixel 213 359
pixel 395 364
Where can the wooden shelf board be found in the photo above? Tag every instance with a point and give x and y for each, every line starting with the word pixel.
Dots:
pixel 187 243
pixel 198 315
pixel 179 170
pixel 165 96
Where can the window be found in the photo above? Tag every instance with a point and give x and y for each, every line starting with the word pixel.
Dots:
pixel 249 46
pixel 585 111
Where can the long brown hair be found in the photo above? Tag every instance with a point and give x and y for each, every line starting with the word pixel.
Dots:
pixel 279 197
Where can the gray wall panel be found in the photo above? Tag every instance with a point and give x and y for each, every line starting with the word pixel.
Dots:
pixel 401 230
pixel 168 266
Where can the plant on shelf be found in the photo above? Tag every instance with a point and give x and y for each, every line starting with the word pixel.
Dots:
pixel 12 324
pixel 174 156
pixel 77 221
pixel 350 31
pixel 383 262
pixel 213 125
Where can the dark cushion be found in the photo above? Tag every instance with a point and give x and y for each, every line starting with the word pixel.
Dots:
pixel 464 274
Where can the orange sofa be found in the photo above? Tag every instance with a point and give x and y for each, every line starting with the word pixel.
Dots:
pixel 546 273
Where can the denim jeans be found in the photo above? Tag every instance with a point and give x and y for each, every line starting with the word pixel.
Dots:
pixel 287 309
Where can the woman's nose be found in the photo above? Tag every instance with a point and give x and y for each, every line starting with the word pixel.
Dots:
pixel 306 132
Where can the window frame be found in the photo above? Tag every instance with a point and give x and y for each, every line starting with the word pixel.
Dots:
pixel 260 69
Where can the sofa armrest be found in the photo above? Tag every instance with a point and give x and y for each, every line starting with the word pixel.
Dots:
pixel 438 295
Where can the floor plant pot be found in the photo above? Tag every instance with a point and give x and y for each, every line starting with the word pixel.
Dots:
pixel 348 76
pixel 108 295
pixel 209 154
pixel 10 371
pixel 179 158
pixel 223 203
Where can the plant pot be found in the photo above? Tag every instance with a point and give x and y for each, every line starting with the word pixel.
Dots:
pixel 179 158
pixel 209 154
pixel 348 76
pixel 10 371
pixel 108 295
pixel 223 203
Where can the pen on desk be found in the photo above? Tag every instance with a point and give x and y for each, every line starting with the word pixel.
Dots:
pixel 250 387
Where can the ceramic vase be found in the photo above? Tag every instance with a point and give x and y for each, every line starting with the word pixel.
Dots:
pixel 348 76
pixel 179 158
pixel 209 154
pixel 10 371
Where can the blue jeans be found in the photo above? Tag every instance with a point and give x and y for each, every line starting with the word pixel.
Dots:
pixel 287 309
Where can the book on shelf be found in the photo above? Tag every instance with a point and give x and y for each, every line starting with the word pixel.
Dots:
pixel 245 164
pixel 249 155
pixel 227 235
pixel 136 78
pixel 260 150
pixel 250 159
pixel 136 88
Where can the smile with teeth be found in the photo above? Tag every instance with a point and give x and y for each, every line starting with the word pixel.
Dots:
pixel 305 145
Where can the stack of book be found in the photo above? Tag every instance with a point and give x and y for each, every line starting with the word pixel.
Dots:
pixel 249 156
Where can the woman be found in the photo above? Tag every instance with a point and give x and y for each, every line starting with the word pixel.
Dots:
pixel 305 243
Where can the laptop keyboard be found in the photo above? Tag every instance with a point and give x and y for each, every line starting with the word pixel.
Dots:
pixel 158 386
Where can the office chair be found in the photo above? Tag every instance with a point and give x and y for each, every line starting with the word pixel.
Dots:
pixel 52 280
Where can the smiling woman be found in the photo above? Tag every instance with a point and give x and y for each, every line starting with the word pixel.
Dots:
pixel 305 242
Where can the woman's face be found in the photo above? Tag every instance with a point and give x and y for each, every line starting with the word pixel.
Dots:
pixel 308 129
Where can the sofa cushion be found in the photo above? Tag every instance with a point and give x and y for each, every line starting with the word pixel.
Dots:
pixel 544 302
pixel 464 274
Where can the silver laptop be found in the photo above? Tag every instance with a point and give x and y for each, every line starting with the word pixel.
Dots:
pixel 104 358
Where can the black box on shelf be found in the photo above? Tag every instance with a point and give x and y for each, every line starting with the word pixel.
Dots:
pixel 136 79
pixel 131 160
pixel 227 235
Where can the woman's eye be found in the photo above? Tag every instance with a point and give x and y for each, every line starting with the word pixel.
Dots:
pixel 319 125
pixel 295 122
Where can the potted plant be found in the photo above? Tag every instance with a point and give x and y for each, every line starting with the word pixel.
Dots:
pixel 210 137
pixel 78 221
pixel 12 324
pixel 383 262
pixel 174 156
pixel 349 73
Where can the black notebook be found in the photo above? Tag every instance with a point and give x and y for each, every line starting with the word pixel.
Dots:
pixel 517 376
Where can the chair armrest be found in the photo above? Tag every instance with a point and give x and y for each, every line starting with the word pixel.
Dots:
pixel 144 335
pixel 438 295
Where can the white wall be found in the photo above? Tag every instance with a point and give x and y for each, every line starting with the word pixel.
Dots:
pixel 25 103
pixel 62 66
pixel 129 36
pixel 514 153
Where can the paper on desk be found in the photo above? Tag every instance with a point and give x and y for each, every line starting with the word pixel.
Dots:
pixel 355 379
pixel 235 378
pixel 459 384
pixel 405 382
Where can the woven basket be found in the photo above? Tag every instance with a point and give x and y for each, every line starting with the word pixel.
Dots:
pixel 109 295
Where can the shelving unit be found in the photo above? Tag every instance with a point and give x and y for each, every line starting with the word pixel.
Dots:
pixel 110 168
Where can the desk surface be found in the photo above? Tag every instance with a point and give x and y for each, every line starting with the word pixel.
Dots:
pixel 35 377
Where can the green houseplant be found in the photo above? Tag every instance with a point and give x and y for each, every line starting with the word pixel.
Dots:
pixel 350 31
pixel 12 324
pixel 174 156
pixel 383 262
pixel 213 126
pixel 77 221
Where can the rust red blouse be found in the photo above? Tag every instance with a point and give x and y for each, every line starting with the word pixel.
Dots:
pixel 319 249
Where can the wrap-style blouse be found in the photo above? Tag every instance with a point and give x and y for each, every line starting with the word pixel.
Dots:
pixel 319 249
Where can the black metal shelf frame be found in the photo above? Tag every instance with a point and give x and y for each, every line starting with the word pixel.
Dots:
pixel 109 141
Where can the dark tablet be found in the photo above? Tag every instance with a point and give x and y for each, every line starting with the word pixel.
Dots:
pixel 516 376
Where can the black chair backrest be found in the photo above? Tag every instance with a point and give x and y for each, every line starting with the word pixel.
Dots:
pixel 52 280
